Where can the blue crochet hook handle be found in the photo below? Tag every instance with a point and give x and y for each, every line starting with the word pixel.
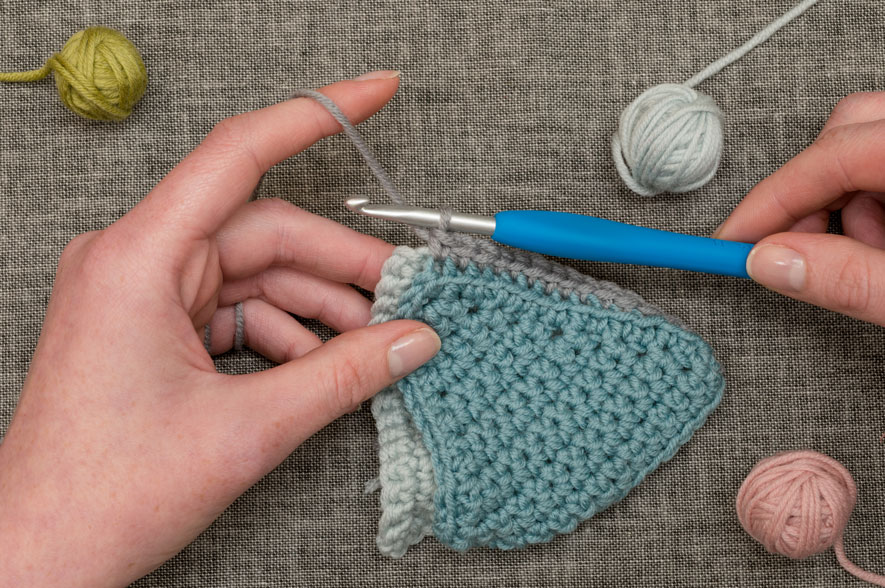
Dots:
pixel 578 236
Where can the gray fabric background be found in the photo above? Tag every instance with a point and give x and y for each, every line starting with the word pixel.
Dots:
pixel 503 104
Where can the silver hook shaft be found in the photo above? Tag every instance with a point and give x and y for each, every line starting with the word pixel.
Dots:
pixel 423 217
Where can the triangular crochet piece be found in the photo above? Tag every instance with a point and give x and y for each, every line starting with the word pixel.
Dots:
pixel 552 396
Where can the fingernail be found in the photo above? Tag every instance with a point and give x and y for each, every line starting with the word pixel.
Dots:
pixel 411 351
pixel 778 268
pixel 381 74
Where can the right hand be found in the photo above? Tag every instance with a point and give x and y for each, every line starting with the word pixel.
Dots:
pixel 786 215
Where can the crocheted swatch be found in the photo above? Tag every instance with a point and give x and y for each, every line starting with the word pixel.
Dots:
pixel 552 396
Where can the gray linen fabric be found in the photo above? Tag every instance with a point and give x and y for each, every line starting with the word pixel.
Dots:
pixel 503 104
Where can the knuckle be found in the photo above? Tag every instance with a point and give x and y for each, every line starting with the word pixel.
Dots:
pixel 226 132
pixel 834 143
pixel 103 262
pixel 74 248
pixel 102 247
pixel 849 102
pixel 329 310
pixel 233 138
pixel 291 351
pixel 288 245
pixel 850 290
pixel 347 384
pixel 373 258
pixel 787 206
pixel 834 137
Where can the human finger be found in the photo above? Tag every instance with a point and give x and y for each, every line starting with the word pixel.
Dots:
pixel 831 271
pixel 846 159
pixel 196 197
pixel 859 107
pixel 271 232
pixel 335 304
pixel 264 416
pixel 816 222
pixel 266 329
pixel 863 219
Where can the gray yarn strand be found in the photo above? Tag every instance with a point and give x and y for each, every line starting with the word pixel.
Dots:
pixel 357 141
pixel 464 249
pixel 758 39
pixel 240 322
pixel 207 339
pixel 431 236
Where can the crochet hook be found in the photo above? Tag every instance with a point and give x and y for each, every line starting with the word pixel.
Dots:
pixel 578 236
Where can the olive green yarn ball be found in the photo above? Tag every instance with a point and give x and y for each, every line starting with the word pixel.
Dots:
pixel 99 74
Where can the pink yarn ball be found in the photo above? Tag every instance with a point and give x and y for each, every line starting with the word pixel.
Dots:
pixel 797 503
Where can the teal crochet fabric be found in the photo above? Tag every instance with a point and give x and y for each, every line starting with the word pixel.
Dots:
pixel 552 396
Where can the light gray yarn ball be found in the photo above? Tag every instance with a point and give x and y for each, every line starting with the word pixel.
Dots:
pixel 669 140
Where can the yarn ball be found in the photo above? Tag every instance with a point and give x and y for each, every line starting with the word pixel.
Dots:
pixel 669 140
pixel 99 74
pixel 797 503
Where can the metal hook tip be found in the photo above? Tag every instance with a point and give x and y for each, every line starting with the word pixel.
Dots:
pixel 356 203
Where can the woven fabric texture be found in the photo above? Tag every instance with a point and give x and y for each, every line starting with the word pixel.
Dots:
pixel 503 104
pixel 541 408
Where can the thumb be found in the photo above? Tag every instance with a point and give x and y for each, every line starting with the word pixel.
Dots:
pixel 298 398
pixel 831 271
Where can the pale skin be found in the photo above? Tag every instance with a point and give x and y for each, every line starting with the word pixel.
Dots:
pixel 786 215
pixel 126 442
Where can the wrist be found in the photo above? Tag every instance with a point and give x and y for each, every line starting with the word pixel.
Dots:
pixel 47 538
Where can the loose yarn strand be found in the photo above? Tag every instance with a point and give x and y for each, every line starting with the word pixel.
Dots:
pixel 436 238
pixel 357 141
pixel 759 38
pixel 669 139
pixel 26 76
pixel 853 569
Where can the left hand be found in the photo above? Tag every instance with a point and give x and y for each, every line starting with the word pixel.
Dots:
pixel 126 442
